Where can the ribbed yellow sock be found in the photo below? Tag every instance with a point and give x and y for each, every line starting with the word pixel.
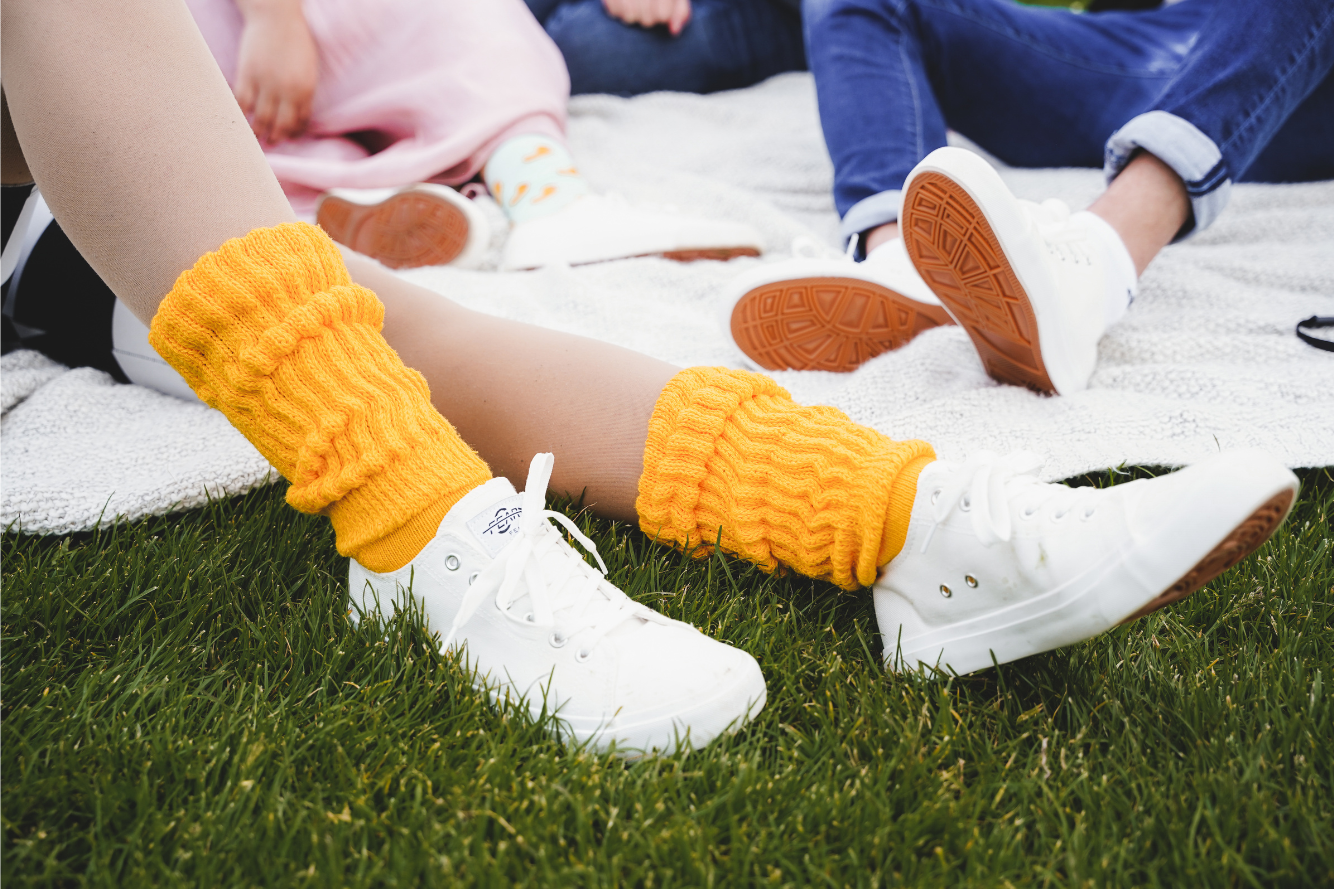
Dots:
pixel 788 485
pixel 270 330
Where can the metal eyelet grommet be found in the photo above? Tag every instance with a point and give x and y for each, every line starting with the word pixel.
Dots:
pixel 970 580
pixel 1058 516
pixel 1088 513
pixel 529 618
pixel 472 578
pixel 557 640
pixel 935 495
pixel 582 655
pixel 945 591
pixel 965 504
pixel 452 562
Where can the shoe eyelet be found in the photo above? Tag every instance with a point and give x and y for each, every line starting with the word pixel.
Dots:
pixel 582 655
pixel 529 618
pixel 1059 516
pixel 935 495
pixel 558 640
pixel 965 504
pixel 1088 513
pixel 503 608
pixel 970 580
pixel 1029 513
pixel 452 562
pixel 945 591
pixel 472 578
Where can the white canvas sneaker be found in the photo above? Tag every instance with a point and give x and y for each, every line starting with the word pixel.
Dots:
pixel 1033 284
pixel 422 224
pixel 597 228
pixel 821 310
pixel 539 623
pixel 998 565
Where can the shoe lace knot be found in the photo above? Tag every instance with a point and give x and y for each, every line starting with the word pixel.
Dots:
pixel 563 591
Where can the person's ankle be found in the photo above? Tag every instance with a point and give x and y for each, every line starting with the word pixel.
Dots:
pixel 901 499
pixel 881 234
pixel 533 176
pixel 1120 280
pixel 1147 205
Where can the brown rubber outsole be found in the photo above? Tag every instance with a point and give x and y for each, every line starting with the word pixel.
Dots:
pixel 407 230
pixel 1245 539
pixel 826 323
pixel 956 252
pixel 722 254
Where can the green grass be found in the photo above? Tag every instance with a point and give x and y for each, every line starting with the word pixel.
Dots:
pixel 184 703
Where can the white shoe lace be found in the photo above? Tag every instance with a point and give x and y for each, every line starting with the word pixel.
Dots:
pixel 806 247
pixel 556 580
pixel 989 487
pixel 1065 242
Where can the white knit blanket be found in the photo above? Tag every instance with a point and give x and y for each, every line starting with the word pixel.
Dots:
pixel 1206 358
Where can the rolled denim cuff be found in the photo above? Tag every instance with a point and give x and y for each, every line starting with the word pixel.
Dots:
pixel 867 213
pixel 1189 152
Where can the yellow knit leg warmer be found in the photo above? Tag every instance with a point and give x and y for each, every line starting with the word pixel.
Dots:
pixel 788 485
pixel 270 330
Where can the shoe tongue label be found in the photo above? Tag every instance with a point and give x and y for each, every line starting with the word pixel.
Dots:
pixel 495 525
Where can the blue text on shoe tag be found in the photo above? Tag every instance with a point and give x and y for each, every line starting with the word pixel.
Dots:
pixel 496 525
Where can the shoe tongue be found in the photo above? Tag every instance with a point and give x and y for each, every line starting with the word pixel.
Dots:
pixel 491 512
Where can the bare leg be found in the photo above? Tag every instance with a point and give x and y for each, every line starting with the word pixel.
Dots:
pixel 1147 205
pixel 513 390
pixel 134 138
pixel 145 179
pixel 13 168
pixel 880 234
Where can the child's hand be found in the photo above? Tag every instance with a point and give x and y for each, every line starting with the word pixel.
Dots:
pixel 278 69
pixel 672 13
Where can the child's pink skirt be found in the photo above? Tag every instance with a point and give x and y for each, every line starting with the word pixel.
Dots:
pixel 426 89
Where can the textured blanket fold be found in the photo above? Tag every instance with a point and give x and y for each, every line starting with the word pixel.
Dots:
pixel 1205 359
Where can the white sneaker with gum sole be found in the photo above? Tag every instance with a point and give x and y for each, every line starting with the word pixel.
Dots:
pixel 538 622
pixel 597 228
pixel 421 224
pixel 1030 283
pixel 998 566
pixel 821 310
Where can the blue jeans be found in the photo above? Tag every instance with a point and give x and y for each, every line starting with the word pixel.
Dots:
pixel 1217 89
pixel 727 44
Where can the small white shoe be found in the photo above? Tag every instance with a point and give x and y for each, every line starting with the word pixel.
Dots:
pixel 997 565
pixel 597 228
pixel 821 310
pixel 540 623
pixel 421 224
pixel 1034 285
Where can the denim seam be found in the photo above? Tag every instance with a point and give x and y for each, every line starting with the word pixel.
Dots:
pixel 1286 76
pixel 1209 181
pixel 916 101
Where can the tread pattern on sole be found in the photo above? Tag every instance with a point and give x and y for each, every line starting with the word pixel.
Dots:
pixel 958 255
pixel 407 230
pixel 826 323
pixel 1245 539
